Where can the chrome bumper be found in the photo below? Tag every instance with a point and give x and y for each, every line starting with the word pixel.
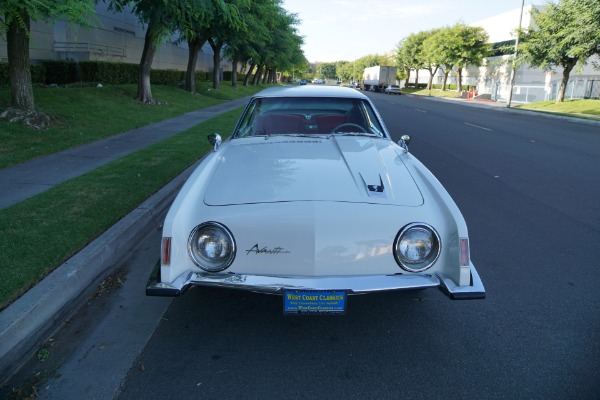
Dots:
pixel 352 284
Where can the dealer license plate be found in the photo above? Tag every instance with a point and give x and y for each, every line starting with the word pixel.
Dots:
pixel 314 302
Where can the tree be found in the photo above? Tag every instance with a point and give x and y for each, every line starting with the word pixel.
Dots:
pixel 446 43
pixel 241 48
pixel 204 11
pixel 470 48
pixel 408 54
pixel 328 70
pixel 431 54
pixel 226 23
pixel 18 15
pixel 161 17
pixel 564 34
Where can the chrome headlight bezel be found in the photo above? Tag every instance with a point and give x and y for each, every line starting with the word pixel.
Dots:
pixel 222 235
pixel 422 263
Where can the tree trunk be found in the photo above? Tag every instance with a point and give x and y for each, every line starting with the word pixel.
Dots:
pixel 269 76
pixel 18 64
pixel 256 79
pixel 150 42
pixel 194 47
pixel 432 73
pixel 248 74
pixel 265 75
pixel 565 80
pixel 234 68
pixel 416 78
pixel 459 79
pixel 446 73
pixel 216 47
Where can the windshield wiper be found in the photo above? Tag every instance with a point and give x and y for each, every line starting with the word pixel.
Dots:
pixel 306 135
pixel 356 134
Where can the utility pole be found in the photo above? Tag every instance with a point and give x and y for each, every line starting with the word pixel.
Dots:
pixel 512 70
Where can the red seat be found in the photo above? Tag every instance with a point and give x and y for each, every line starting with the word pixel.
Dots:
pixel 278 124
pixel 327 122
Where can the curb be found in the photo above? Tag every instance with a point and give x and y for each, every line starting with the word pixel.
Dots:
pixel 505 108
pixel 27 323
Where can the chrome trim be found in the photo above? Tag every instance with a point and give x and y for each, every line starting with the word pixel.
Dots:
pixel 215 141
pixel 406 267
pixel 199 263
pixel 475 290
pixel 278 284
pixel 351 284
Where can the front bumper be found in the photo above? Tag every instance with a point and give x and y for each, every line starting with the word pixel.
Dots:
pixel 351 284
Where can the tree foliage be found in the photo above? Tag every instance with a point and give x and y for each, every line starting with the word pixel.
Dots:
pixel 447 48
pixel 563 34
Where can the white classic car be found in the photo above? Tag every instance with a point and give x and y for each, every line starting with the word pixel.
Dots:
pixel 311 199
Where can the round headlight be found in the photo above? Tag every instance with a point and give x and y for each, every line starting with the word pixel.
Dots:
pixel 416 247
pixel 211 246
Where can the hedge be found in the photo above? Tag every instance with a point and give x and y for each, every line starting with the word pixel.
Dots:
pixel 66 72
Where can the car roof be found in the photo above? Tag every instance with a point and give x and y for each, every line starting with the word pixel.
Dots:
pixel 311 91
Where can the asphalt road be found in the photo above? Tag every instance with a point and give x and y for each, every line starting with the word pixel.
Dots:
pixel 528 188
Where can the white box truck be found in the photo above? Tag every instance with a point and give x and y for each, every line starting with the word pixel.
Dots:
pixel 378 77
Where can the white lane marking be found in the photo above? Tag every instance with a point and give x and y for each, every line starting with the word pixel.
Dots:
pixel 423 111
pixel 477 126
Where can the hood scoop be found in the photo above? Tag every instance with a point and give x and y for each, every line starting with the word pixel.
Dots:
pixel 375 189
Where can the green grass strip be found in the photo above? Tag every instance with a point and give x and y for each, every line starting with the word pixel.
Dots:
pixel 584 108
pixel 86 114
pixel 44 231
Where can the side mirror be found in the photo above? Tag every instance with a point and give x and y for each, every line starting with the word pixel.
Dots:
pixel 215 141
pixel 404 141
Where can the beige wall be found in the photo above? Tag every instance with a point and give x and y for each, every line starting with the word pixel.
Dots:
pixel 115 37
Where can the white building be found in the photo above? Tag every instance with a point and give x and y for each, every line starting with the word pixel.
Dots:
pixel 116 37
pixel 492 79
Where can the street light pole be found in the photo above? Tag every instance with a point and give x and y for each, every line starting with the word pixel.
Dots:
pixel 512 70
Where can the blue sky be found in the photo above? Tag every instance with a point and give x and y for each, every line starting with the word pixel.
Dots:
pixel 336 30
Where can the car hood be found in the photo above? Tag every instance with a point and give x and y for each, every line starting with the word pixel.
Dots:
pixel 285 169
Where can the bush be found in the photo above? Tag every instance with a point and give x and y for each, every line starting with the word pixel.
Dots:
pixel 108 72
pixel 38 74
pixel 166 76
pixel 111 73
pixel 61 72
pixel 4 80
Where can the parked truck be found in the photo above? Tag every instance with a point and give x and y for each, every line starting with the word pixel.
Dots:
pixel 378 77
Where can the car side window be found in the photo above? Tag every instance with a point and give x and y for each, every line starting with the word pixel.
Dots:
pixel 245 125
pixel 372 120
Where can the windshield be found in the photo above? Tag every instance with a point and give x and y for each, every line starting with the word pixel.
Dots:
pixel 309 116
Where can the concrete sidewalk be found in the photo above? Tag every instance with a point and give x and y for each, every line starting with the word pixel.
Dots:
pixel 28 179
pixel 32 318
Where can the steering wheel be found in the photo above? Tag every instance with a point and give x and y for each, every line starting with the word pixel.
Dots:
pixel 362 128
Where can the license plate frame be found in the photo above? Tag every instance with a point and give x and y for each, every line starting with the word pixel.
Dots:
pixel 314 302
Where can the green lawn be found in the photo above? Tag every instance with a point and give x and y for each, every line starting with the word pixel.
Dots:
pixel 85 114
pixel 432 92
pixel 589 108
pixel 580 108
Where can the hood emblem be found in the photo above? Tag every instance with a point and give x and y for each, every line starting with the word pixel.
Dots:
pixel 375 189
pixel 256 249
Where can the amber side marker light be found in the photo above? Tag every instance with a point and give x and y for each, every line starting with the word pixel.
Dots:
pixel 165 251
pixel 464 252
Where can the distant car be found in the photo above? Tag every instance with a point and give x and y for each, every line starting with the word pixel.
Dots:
pixel 311 199
pixel 317 81
pixel 392 89
pixel 303 82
